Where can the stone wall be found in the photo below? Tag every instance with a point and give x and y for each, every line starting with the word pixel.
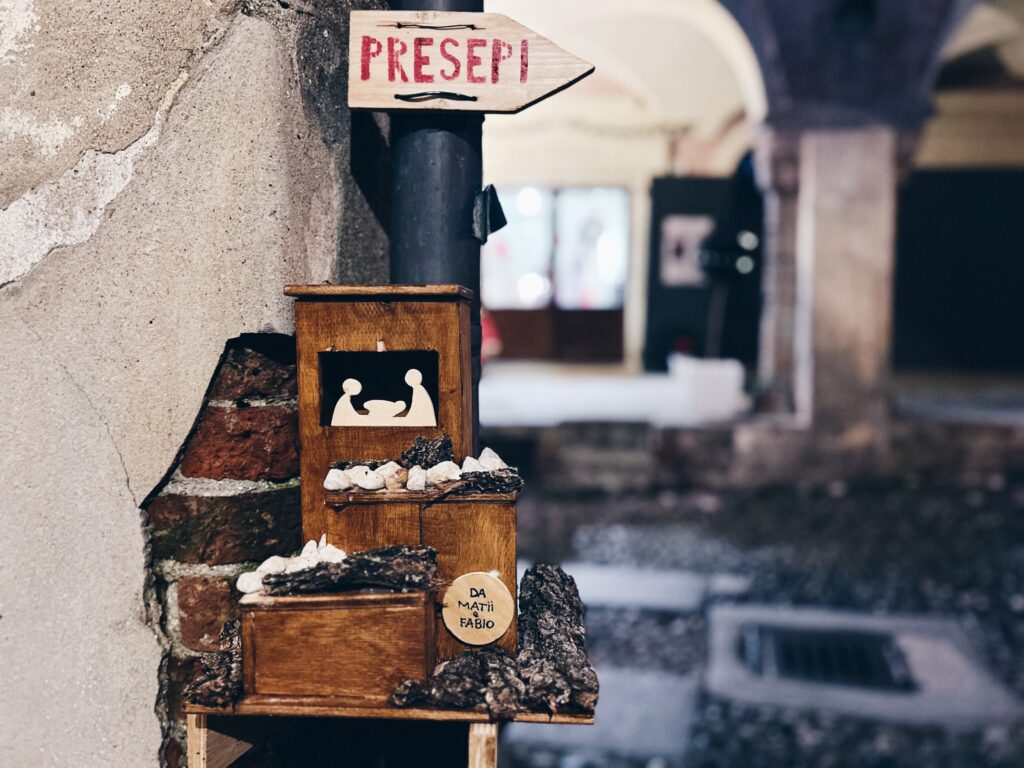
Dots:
pixel 231 501
pixel 167 169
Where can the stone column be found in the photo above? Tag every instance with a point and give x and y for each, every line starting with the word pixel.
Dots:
pixel 845 254
pixel 777 168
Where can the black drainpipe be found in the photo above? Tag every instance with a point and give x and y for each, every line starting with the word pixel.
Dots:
pixel 435 177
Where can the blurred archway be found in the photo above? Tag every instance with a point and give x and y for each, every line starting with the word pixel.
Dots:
pixel 677 91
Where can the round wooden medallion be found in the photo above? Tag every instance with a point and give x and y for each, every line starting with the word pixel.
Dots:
pixel 478 608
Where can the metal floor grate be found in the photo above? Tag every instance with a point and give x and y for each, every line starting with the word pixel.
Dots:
pixel 834 657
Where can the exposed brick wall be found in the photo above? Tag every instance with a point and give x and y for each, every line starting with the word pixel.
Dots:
pixel 231 501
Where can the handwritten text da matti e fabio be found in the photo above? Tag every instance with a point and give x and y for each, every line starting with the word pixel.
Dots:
pixel 439 59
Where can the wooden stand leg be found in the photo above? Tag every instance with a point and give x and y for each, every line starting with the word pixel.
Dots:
pixel 209 748
pixel 195 732
pixel 483 745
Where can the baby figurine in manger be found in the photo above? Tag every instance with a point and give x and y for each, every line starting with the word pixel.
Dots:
pixel 385 413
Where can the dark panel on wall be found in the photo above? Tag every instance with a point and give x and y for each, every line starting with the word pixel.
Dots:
pixel 679 315
pixel 593 335
pixel 959 295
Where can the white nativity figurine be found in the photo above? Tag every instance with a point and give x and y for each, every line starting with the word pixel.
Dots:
pixel 385 413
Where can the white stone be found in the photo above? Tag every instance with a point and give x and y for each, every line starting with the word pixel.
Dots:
pixel 472 465
pixel 274 564
pixel 302 562
pixel 443 472
pixel 309 549
pixel 331 554
pixel 337 480
pixel 371 481
pixel 250 582
pixel 387 470
pixel 396 481
pixel 417 479
pixel 491 461
pixel 356 473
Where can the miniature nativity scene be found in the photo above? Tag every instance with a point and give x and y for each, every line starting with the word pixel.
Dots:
pixel 403 602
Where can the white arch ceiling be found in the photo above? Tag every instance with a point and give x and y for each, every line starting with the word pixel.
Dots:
pixel 681 62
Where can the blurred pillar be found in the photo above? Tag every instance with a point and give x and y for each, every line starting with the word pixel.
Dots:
pixel 845 256
pixel 830 224
pixel 847 83
pixel 777 166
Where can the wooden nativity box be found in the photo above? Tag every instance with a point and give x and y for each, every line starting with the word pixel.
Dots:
pixel 376 335
pixel 373 336
pixel 379 367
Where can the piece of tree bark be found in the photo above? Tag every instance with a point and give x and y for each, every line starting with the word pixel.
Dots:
pixel 220 682
pixel 552 654
pixel 505 480
pixel 400 568
pixel 551 672
pixel 477 680
pixel 428 453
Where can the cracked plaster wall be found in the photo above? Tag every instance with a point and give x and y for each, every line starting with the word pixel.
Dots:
pixel 166 169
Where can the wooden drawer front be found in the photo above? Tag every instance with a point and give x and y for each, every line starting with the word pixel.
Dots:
pixel 356 527
pixel 355 652
pixel 472 536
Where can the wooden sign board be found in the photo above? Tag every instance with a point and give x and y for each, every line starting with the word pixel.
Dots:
pixel 475 62
pixel 478 608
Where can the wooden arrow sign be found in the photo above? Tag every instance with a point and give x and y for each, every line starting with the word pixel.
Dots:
pixel 474 62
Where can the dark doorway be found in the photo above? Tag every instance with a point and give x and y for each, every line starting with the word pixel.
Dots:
pixel 704 284
pixel 960 272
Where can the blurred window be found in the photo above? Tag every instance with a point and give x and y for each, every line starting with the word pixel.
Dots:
pixel 591 248
pixel 554 279
pixel 567 247
pixel 516 266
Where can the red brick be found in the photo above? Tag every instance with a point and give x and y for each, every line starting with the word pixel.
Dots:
pixel 225 529
pixel 259 443
pixel 204 605
pixel 257 366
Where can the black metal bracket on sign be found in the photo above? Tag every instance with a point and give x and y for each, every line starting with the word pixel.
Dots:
pixel 488 216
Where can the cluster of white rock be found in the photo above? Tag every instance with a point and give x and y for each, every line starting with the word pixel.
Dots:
pixel 397 478
pixel 314 552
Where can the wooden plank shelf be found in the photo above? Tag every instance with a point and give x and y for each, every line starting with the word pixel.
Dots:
pixel 437 495
pixel 378 292
pixel 317 706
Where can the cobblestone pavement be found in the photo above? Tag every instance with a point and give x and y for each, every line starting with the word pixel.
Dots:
pixel 910 546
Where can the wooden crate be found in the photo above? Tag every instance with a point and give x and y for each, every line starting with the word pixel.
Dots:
pixel 348 649
pixel 425 320
pixel 474 532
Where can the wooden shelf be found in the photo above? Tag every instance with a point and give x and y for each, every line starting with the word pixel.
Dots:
pixel 439 494
pixel 385 598
pixel 378 292
pixel 299 706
